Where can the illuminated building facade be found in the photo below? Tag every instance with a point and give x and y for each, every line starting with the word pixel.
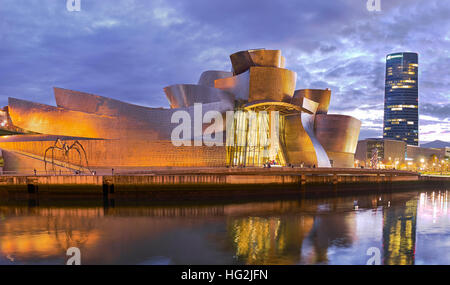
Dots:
pixel 270 122
pixel 399 155
pixel 391 153
pixel 401 101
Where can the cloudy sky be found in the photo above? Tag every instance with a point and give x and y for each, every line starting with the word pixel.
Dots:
pixel 131 49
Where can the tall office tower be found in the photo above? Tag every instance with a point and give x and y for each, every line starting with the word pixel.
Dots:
pixel 401 100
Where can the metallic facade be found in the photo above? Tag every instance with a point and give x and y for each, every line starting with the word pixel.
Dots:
pixel 388 152
pixel 338 134
pixel 317 95
pixel 208 77
pixel 185 95
pixel 261 119
pixel 401 101
pixel 243 60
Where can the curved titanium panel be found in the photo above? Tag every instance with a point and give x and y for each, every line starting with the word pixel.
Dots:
pixel 208 77
pixel 265 57
pixel 237 85
pixel 185 95
pixel 141 117
pixel 317 95
pixel 131 122
pixel 51 120
pixel 321 154
pixel 243 60
pixel 338 134
pixel 283 62
pixel 302 142
pixel 272 84
pixel 129 119
pixel 95 104
pixel 261 84
pixel 299 147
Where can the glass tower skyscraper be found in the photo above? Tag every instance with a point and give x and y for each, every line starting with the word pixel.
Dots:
pixel 401 98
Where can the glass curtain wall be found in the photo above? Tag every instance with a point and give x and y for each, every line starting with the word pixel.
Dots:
pixel 253 139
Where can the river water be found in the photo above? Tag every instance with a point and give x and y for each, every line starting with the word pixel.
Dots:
pixel 397 228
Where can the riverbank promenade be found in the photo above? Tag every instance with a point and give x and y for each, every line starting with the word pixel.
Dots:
pixel 205 182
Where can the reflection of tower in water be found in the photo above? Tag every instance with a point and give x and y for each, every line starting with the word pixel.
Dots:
pixel 399 233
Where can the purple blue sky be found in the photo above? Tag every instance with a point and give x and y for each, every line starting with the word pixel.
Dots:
pixel 131 49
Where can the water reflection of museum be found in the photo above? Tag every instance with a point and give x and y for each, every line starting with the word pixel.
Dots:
pixel 307 239
pixel 284 232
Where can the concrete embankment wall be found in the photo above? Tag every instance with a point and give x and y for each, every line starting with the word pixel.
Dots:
pixel 216 182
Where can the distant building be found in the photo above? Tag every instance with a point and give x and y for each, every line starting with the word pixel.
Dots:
pixel 401 117
pixel 415 153
pixel 390 152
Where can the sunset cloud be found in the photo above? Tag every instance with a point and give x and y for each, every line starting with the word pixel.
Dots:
pixel 130 50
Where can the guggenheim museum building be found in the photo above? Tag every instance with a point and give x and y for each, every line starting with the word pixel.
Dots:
pixel 263 119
